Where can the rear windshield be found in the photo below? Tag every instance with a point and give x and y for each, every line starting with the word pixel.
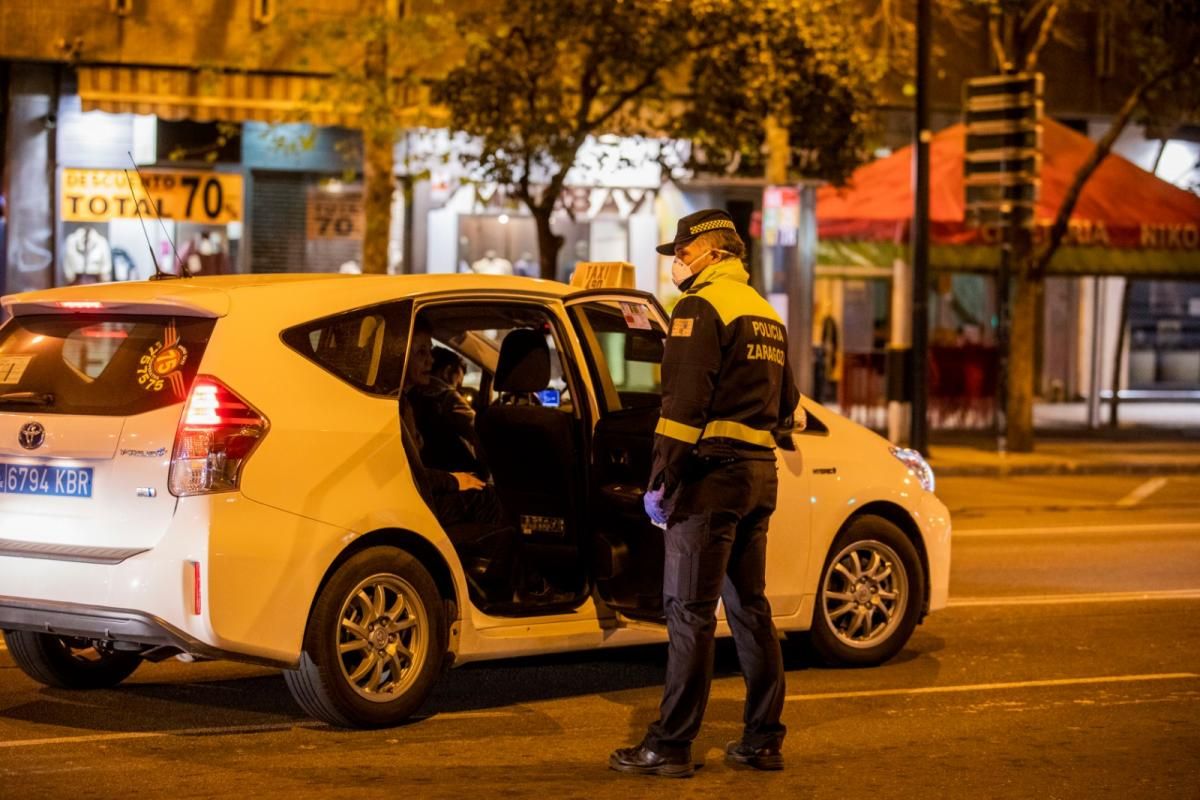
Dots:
pixel 107 365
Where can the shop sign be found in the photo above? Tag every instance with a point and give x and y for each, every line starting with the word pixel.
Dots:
pixel 1093 233
pixel 1176 236
pixel 100 195
pixel 781 216
pixel 335 215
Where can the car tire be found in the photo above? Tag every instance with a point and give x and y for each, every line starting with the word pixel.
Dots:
pixel 870 596
pixel 375 643
pixel 66 662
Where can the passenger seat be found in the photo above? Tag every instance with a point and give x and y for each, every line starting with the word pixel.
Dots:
pixel 533 453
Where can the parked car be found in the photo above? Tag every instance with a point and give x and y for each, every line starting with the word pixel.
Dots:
pixel 214 468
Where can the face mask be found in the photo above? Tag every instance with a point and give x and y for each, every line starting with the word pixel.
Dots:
pixel 681 271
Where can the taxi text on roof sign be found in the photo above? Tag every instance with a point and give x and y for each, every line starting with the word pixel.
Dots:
pixel 603 275
pixel 98 195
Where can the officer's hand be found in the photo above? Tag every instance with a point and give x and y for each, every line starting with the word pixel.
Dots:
pixel 652 501
pixel 467 481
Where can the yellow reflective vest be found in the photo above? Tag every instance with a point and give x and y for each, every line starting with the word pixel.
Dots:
pixel 728 390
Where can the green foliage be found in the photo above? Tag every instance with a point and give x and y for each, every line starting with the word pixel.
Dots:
pixel 376 61
pixel 540 76
pixel 807 63
pixel 210 152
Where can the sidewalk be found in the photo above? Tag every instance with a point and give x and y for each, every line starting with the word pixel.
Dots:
pixel 1057 456
pixel 1152 439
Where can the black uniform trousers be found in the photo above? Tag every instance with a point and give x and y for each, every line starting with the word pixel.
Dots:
pixel 716 545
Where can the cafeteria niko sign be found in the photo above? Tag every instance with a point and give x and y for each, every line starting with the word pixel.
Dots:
pixel 1088 233
pixel 100 195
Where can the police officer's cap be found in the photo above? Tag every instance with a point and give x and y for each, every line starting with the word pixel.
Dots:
pixel 691 226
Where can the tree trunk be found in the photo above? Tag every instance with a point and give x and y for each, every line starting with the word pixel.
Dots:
pixel 377 200
pixel 408 187
pixel 549 243
pixel 1119 356
pixel 378 151
pixel 1022 346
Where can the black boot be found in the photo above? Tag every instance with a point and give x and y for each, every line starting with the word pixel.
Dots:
pixel 641 760
pixel 768 758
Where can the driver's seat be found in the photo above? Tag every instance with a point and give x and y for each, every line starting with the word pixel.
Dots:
pixel 533 451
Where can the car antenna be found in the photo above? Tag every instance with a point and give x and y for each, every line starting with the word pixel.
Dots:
pixel 158 273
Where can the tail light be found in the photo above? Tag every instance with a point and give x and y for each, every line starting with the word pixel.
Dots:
pixel 217 433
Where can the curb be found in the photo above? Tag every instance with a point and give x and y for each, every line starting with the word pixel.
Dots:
pixel 1063 468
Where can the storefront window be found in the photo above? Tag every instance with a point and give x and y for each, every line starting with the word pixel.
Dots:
pixel 1164 335
pixel 192 219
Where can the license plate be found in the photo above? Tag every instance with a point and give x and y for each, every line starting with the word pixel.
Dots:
pixel 50 481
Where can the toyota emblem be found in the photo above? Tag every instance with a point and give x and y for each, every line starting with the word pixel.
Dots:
pixel 32 435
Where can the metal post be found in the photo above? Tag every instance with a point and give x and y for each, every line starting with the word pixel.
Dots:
pixel 1093 407
pixel 801 272
pixel 919 438
pixel 900 355
pixel 1003 289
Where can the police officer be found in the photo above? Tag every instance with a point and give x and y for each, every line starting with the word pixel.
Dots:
pixel 728 398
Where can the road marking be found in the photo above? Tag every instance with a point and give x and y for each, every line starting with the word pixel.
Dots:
pixel 1142 492
pixel 227 730
pixel 116 737
pixel 1056 599
pixel 989 687
pixel 1071 530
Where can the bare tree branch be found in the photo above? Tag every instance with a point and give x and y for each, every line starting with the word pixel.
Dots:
pixel 1059 229
pixel 624 97
pixel 996 41
pixel 1031 57
pixel 1033 12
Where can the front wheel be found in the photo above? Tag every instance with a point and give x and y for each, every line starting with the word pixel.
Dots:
pixel 375 642
pixel 67 662
pixel 872 589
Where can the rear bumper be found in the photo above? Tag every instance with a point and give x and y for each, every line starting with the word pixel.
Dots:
pixel 110 624
pixel 259 570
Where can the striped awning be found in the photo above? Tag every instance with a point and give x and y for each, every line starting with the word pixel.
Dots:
pixel 208 95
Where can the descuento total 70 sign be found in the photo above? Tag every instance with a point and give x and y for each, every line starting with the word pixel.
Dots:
pixel 98 195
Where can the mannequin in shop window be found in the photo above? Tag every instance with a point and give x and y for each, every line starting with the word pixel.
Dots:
pixel 87 257
pixel 204 254
pixel 492 264
pixel 123 267
pixel 525 266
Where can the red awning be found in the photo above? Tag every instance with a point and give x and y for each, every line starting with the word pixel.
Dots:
pixel 1122 205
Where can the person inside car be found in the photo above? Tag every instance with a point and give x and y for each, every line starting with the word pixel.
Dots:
pixel 468 508
pixel 445 419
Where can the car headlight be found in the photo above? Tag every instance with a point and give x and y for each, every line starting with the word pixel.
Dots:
pixel 918 467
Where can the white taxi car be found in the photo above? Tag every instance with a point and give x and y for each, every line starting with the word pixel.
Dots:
pixel 214 468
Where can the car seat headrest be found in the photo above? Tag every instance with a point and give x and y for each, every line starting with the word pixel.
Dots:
pixel 524 364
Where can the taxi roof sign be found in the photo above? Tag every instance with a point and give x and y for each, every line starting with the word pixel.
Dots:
pixel 603 275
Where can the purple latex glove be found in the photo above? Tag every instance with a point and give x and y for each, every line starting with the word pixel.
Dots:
pixel 652 501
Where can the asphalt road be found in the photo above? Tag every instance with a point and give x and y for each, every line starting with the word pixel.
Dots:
pixel 1068 666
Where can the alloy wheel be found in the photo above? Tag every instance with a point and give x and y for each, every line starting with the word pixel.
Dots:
pixel 865 593
pixel 382 637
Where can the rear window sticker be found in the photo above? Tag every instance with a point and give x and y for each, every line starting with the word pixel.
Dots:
pixel 162 362
pixel 635 316
pixel 682 327
pixel 12 368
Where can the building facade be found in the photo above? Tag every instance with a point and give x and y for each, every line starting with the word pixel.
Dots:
pixel 169 135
